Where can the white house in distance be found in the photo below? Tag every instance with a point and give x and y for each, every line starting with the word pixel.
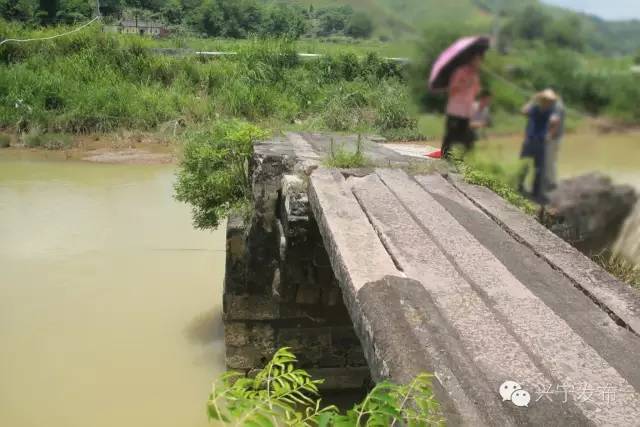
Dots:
pixel 135 26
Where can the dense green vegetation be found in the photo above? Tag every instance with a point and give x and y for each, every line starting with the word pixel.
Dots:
pixel 539 46
pixel 528 20
pixel 47 140
pixel 585 86
pixel 94 81
pixel 213 176
pixel 217 18
pixel 519 19
pixel 282 395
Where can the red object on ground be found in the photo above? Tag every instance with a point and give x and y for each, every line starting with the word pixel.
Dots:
pixel 435 154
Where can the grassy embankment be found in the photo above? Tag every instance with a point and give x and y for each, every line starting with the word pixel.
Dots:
pixel 94 82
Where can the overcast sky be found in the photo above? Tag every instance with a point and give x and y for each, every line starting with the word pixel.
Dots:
pixel 608 9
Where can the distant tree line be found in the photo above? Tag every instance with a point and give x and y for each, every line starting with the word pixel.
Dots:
pixel 216 18
pixel 535 23
pixel 45 11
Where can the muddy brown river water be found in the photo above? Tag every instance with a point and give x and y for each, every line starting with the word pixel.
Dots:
pixel 109 299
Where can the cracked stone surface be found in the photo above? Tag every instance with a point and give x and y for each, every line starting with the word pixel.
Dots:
pixel 447 278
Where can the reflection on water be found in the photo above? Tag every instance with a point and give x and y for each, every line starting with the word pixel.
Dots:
pixel 109 300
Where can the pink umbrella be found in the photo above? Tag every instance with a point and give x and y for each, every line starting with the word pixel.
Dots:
pixel 454 56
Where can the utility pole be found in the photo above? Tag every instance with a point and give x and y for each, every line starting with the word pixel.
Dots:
pixel 497 10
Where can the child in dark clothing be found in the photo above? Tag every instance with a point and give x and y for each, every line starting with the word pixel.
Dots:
pixel 539 111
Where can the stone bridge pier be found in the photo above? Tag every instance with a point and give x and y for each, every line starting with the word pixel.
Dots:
pixel 280 290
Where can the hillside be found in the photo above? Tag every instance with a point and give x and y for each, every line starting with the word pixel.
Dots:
pixel 384 20
pixel 410 17
pixel 615 37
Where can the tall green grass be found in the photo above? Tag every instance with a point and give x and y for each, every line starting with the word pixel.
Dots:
pixel 339 157
pixel 92 81
pixel 501 178
pixel 619 267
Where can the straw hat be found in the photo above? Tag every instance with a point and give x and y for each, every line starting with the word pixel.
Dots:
pixel 547 95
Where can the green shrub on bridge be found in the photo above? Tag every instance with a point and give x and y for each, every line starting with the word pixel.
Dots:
pixel 213 176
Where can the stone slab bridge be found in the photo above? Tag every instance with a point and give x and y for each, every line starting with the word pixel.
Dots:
pixel 398 269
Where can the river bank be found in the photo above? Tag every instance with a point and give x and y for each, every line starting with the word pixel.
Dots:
pixel 124 147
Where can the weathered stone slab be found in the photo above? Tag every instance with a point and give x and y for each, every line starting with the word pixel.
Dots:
pixel 302 149
pixel 356 253
pixel 620 300
pixel 407 333
pixel 308 159
pixel 490 352
pixel 360 260
pixel 552 344
pixel 390 317
pixel 376 153
pixel 616 344
pixel 270 161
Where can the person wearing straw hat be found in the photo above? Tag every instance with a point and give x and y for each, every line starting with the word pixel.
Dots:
pixel 538 111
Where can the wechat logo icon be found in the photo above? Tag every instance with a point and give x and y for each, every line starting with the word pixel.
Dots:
pixel 511 390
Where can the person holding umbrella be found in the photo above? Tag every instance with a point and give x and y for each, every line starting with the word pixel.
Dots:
pixel 457 70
